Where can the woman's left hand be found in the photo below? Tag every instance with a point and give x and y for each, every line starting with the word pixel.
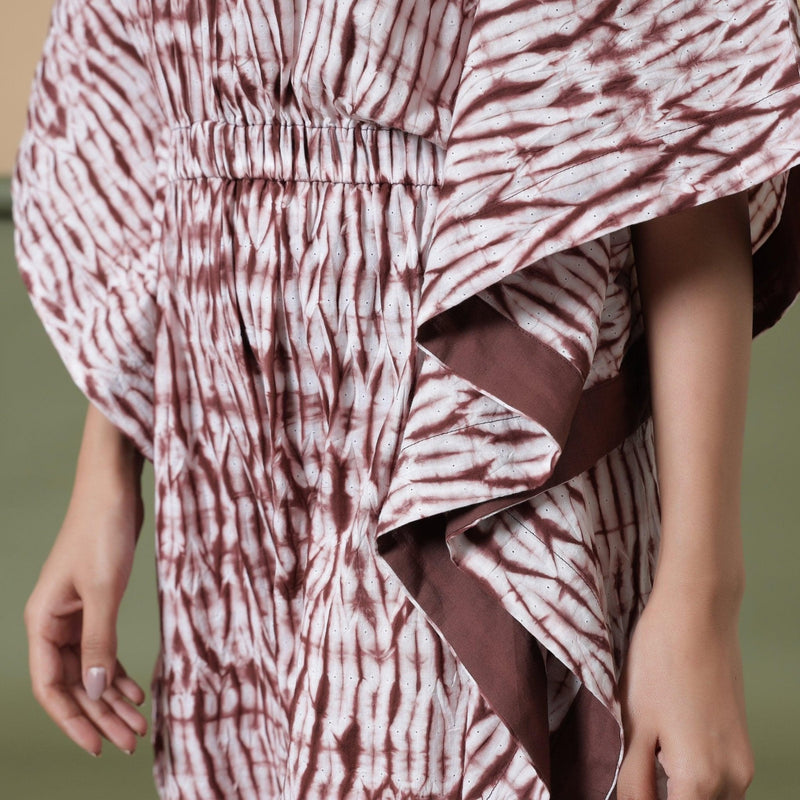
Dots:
pixel 682 699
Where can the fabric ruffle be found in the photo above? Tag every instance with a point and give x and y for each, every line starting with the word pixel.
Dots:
pixel 571 123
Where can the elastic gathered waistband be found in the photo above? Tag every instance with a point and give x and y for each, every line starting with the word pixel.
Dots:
pixel 286 151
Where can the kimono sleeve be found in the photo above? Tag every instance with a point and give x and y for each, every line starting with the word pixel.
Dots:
pixel 575 120
pixel 85 203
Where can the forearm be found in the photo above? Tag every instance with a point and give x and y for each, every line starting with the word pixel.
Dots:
pixel 695 275
pixel 108 461
pixel 71 614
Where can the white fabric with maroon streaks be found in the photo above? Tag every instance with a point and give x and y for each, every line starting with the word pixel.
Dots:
pixel 234 216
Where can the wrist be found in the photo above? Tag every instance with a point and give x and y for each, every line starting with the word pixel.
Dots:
pixel 702 543
pixel 706 587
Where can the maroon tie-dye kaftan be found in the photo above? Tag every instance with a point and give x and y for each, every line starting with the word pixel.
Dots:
pixel 357 277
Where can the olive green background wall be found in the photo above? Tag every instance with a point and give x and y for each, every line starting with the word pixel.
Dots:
pixel 41 413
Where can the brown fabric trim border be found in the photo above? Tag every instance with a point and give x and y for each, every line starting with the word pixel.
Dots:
pixel 478 343
pixel 776 264
pixel 580 749
pixel 606 415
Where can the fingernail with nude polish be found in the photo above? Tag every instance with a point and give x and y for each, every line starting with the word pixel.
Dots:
pixel 95 682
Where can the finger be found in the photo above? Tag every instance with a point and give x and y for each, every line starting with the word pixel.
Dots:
pixel 127 686
pixel 112 702
pixel 105 719
pixel 98 641
pixel 637 773
pixel 47 673
pixel 131 716
pixel 69 716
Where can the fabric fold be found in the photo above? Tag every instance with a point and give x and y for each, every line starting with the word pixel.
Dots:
pixel 431 555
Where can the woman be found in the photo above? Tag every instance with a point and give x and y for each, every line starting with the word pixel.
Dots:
pixel 369 286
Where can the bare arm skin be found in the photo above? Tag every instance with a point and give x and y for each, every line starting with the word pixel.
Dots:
pixel 682 687
pixel 72 613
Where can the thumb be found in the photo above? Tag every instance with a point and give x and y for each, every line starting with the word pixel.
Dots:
pixel 637 773
pixel 98 642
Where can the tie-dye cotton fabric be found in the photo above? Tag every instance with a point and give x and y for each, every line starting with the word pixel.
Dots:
pixel 357 278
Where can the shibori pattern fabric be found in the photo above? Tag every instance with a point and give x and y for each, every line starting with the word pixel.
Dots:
pixel 357 278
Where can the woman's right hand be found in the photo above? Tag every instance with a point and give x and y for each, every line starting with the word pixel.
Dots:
pixel 71 614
